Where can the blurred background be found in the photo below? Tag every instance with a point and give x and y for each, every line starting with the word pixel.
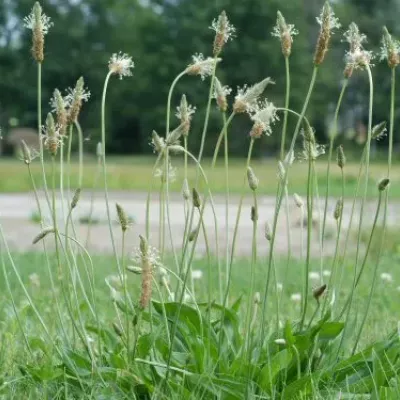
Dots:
pixel 161 36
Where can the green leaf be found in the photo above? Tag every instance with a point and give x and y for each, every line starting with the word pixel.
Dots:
pixel 270 371
pixel 330 330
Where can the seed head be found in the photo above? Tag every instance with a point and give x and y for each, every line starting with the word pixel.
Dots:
pixel 75 97
pixel 196 198
pixel 379 131
pixel 263 118
pixel 252 179
pixel 28 154
pixel 157 142
pixel 268 232
pixel 383 184
pixel 340 158
pixel 40 24
pixel 121 64
pixel 298 201
pixel 254 214
pixel 223 32
pixel 285 33
pixel 202 66
pixel 75 198
pixel 43 234
pixel 356 57
pixel 184 112
pixel 147 274
pixel 390 49
pixel 192 235
pixel 174 136
pixel 122 217
pixel 185 190
pixel 246 99
pixel 311 149
pixel 220 93
pixel 338 209
pixel 328 23
pixel 51 135
pixel 319 291
pixel 59 105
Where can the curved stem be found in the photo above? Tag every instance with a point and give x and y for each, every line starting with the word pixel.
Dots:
pixel 171 89
pixel 103 142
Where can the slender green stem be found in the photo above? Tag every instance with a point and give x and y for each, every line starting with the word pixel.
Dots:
pixel 92 194
pixel 280 195
pixel 125 284
pixel 220 138
pixel 103 142
pixel 333 135
pixel 80 144
pixel 285 115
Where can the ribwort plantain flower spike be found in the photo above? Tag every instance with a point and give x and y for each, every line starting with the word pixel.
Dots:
pixel 202 66
pixel 59 105
pixel 157 142
pixel 383 184
pixel 246 99
pixel 223 32
pixel 390 49
pixel 379 131
pixel 196 198
pixel 184 112
pixel 328 23
pixel 285 33
pixel 262 119
pixel 40 24
pixel 75 97
pixel 337 214
pixel 174 136
pixel 340 158
pixel 220 93
pixel 122 217
pixel 76 198
pixel 121 64
pixel 356 57
pixel 28 154
pixel 298 201
pixel 43 234
pixel 268 232
pixel 254 213
pixel 52 137
pixel 252 179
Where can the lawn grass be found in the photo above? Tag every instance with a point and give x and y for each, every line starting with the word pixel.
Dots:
pixel 382 319
pixel 134 173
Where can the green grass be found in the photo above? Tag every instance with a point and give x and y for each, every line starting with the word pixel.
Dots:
pixel 134 173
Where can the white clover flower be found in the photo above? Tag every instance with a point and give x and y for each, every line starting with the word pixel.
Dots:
pixel 326 273
pixel 197 274
pixel 34 279
pixel 263 117
pixel 315 276
pixel 386 277
pixel 160 173
pixel 356 57
pixel 296 297
pixel 202 66
pixel 43 23
pixel 121 64
pixel 223 28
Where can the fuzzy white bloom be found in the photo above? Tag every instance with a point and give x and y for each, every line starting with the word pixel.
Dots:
pixel 160 173
pixel 332 21
pixel 44 25
pixel 390 49
pixel 263 117
pixel 326 273
pixel 197 274
pixel 185 112
pixel 220 90
pixel 311 149
pixel 223 27
pixel 279 32
pixel 121 64
pixel 280 341
pixel 356 57
pixel 285 33
pixel 202 66
pixel 296 297
pixel 152 256
pixel 246 99
pixel 73 94
pixel 386 277
pixel 315 276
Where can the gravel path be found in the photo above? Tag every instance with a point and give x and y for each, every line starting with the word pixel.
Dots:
pixel 16 211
